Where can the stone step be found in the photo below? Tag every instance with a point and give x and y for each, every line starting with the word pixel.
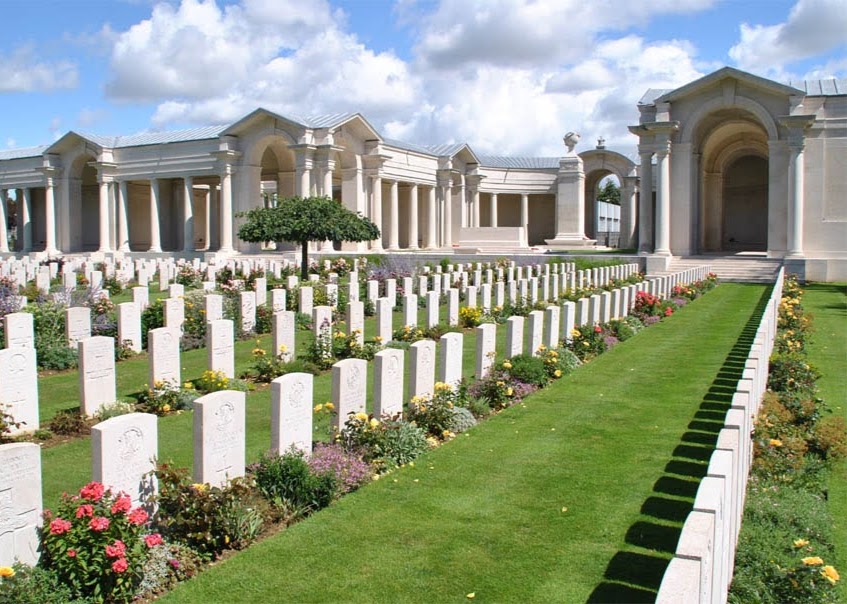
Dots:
pixel 745 270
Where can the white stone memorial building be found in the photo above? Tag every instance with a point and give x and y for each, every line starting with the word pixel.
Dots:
pixel 736 163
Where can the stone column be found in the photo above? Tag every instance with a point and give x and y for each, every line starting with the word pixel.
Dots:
pixel 475 206
pixel 26 219
pixel 4 235
pixel 104 215
pixel 463 196
pixel 796 166
pixel 447 198
pixel 645 204
pixel 188 214
pixel 493 209
pixel 525 217
pixel 50 214
pixel 326 187
pixel 663 200
pixel 123 211
pixel 394 218
pixel 413 217
pixel 207 206
pixel 226 208
pixel 155 236
pixel 628 211
pixel 431 221
pixel 376 210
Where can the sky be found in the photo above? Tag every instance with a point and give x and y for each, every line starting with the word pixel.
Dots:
pixel 508 77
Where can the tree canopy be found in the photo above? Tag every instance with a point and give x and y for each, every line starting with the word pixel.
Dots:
pixel 610 193
pixel 305 219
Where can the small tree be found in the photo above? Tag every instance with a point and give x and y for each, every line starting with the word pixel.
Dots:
pixel 610 193
pixel 305 219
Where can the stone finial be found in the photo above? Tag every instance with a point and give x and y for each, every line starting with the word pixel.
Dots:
pixel 601 143
pixel 571 139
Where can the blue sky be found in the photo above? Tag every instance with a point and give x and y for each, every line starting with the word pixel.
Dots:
pixel 506 76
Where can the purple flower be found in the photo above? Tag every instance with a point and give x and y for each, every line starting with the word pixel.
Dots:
pixel 350 469
pixel 610 341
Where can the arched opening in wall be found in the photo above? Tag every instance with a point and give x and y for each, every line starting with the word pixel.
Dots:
pixel 745 205
pixel 276 179
pixel 84 198
pixel 602 206
pixel 733 182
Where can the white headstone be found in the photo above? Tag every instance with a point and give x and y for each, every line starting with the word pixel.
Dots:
pixel 383 320
pixel 278 300
pixel 535 328
pixel 322 320
pixel 485 348
pixel 77 324
pixel 19 330
pixel 219 438
pixel 174 313
pixel 19 388
pixel 220 346
pixel 551 327
pixel 422 368
pixel 248 311
pixel 568 320
pixel 123 454
pixel 96 374
pixel 388 382
pixel 349 388
pixel 282 334
pixel 356 320
pixel 432 309
pixel 141 297
pixel 410 310
pixel 514 336
pixel 214 306
pixel 450 357
pixel 452 306
pixel 260 286
pixel 20 503
pixel 291 412
pixel 163 349
pixel 306 294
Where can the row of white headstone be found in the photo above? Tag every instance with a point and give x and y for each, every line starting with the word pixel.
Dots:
pixel 124 448
pixel 702 567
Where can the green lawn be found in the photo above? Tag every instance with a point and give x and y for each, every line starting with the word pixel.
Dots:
pixel 578 495
pixel 827 302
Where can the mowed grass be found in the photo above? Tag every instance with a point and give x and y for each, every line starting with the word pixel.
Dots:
pixel 574 496
pixel 67 467
pixel 827 302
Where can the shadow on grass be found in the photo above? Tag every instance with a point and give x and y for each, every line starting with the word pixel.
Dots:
pixel 635 576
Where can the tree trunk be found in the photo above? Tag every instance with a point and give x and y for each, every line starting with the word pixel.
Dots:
pixel 304 260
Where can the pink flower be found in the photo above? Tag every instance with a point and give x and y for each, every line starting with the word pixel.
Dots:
pixel 122 504
pixel 99 524
pixel 153 540
pixel 116 550
pixel 174 563
pixel 137 516
pixel 120 565
pixel 597 329
pixel 93 491
pixel 668 311
pixel 85 511
pixel 71 553
pixel 59 527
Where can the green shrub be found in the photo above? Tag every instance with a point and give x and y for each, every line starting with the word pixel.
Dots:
pixel 287 482
pixel 68 422
pixel 36 585
pixel 167 564
pixel 529 369
pixel 152 317
pixel 791 373
pixel 208 519
pixel 114 409
pixel 434 414
pixel 461 419
pixel 57 357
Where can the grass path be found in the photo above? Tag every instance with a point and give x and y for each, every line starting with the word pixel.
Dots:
pixel 579 495
pixel 827 302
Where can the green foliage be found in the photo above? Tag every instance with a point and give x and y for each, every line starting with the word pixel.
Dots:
pixel 167 564
pixel 288 483
pixel 50 341
pixel 207 519
pixel 36 585
pixel 461 419
pixel 152 317
pixel 57 357
pixel 435 413
pixel 302 220
pixel 791 373
pixel 385 444
pixel 610 192
pixel 114 409
pixel 166 397
pixel 528 369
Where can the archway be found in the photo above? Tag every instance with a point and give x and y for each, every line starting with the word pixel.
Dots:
pixel 734 176
pixel 84 198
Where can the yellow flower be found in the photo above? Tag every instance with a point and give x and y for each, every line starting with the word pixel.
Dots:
pixel 329 406
pixel 166 408
pixel 374 422
pixel 7 571
pixel 830 574
pixel 507 365
pixel 188 385
pixel 378 339
pixel 558 373
pixel 199 487
pixel 575 333
pixel 318 408
pixel 775 442
pixel 800 543
pixel 812 561
pixel 362 417
pixel 509 391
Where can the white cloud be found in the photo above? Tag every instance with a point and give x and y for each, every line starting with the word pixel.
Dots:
pixel 540 71
pixel 89 117
pixel 22 71
pixel 813 27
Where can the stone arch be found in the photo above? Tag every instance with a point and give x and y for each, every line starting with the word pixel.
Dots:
pixel 692 126
pixel 733 180
pixel 83 201
pixel 597 165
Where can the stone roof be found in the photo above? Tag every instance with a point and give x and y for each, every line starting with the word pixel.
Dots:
pixel 154 138
pixel 519 163
pixel 826 87
pixel 22 153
